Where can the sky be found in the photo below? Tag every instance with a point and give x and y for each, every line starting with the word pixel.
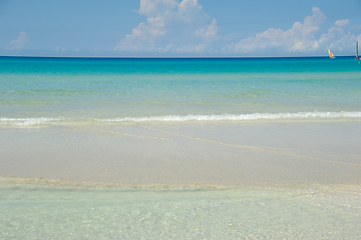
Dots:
pixel 179 28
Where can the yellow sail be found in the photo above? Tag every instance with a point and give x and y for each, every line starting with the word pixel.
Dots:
pixel 330 54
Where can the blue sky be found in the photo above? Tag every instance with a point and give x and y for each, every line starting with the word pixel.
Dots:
pixel 171 28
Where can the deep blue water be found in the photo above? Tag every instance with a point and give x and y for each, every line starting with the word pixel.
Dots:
pixel 40 65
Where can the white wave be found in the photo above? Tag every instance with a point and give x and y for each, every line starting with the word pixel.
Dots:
pixel 179 118
pixel 237 117
pixel 27 121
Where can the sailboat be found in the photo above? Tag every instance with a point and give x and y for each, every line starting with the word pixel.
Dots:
pixel 357 57
pixel 331 54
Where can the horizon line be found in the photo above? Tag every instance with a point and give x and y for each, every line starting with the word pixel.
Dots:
pixel 170 57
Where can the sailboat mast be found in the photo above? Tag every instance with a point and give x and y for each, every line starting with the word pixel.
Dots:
pixel 357 50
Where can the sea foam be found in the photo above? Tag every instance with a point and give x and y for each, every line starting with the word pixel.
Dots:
pixel 28 121
pixel 180 118
pixel 237 117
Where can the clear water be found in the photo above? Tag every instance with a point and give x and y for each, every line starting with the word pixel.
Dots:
pixel 32 212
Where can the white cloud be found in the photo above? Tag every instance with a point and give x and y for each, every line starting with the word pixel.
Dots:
pixel 18 43
pixel 299 38
pixel 209 33
pixel 334 31
pixel 338 38
pixel 342 23
pixel 171 26
pixel 306 37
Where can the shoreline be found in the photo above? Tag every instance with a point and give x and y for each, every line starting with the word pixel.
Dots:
pixel 42 122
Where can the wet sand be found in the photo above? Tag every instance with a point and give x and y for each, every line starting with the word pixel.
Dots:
pixel 259 153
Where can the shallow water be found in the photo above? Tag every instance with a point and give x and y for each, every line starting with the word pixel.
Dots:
pixel 33 211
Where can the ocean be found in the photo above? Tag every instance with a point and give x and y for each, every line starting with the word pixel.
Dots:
pixel 159 148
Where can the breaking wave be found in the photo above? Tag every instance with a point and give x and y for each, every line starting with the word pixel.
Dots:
pixel 180 118
pixel 28 121
pixel 237 117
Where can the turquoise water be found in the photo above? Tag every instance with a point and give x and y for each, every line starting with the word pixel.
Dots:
pixel 58 90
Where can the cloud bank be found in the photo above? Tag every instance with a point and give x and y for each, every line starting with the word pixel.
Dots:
pixel 184 27
pixel 301 38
